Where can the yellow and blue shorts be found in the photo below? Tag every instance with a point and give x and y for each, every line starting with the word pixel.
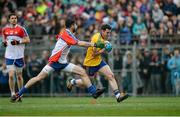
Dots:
pixel 92 70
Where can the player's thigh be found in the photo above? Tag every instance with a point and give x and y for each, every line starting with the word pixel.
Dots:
pixel 106 71
pixel 11 70
pixel 74 69
pixel 47 69
pixel 42 75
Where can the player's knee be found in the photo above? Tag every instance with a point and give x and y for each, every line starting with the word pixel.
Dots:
pixel 11 76
pixel 19 77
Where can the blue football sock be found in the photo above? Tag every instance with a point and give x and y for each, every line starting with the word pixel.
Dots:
pixel 73 82
pixel 22 90
pixel 91 89
pixel 116 93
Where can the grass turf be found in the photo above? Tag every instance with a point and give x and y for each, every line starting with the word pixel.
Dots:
pixel 86 106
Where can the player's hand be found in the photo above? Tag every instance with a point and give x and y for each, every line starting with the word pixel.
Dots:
pixel 99 45
pixel 4 44
pixel 15 42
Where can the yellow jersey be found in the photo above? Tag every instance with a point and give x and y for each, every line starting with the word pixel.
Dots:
pixel 91 60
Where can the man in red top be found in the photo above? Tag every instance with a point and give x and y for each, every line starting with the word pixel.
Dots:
pixel 14 39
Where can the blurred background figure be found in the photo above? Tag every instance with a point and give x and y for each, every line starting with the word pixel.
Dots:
pixel 155 65
pixel 4 79
pixel 127 72
pixel 145 72
pixel 34 67
pixel 174 66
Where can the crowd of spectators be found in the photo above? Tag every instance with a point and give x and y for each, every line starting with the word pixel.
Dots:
pixel 130 19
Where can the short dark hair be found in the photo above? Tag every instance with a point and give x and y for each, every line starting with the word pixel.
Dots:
pixel 12 14
pixel 106 26
pixel 69 23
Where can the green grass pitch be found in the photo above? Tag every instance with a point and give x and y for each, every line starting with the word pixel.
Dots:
pixel 85 106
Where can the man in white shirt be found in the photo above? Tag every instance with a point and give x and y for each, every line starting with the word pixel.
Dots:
pixel 14 39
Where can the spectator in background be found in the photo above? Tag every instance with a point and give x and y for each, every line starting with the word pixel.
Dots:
pixel 2 4
pixel 30 9
pixel 175 23
pixel 170 8
pixel 166 78
pixel 11 5
pixel 38 27
pixel 55 26
pixel 144 8
pixel 25 70
pixel 138 29
pixel 118 66
pixel 161 32
pixel 177 3
pixel 145 72
pixel 155 72
pixel 4 87
pixel 152 29
pixel 178 28
pixel 157 14
pixel 126 72
pixel 174 67
pixel 34 67
pixel 136 13
pixel 136 74
pixel 3 23
pixel 147 20
pixel 170 28
pixel 125 34
pixel 89 32
pixel 113 23
pixel 41 7
pixel 143 38
pixel 42 61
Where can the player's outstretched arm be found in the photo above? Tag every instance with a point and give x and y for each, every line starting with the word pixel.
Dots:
pixel 89 44
pixel 85 44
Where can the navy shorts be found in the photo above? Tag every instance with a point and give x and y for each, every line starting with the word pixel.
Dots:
pixel 92 70
pixel 16 62
pixel 58 66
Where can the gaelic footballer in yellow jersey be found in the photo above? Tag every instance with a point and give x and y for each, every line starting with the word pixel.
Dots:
pixel 93 59
pixel 94 63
